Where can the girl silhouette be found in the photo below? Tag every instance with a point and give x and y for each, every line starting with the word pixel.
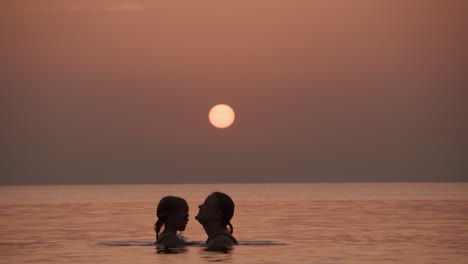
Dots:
pixel 172 213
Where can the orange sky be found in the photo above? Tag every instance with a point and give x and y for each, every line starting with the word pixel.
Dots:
pixel 119 91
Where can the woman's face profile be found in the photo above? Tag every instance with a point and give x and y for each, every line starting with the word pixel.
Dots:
pixel 207 210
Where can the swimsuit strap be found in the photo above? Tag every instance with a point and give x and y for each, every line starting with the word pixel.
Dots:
pixel 226 234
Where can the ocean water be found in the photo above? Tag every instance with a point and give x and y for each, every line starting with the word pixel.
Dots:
pixel 276 223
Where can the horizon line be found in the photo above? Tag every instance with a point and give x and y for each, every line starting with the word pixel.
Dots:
pixel 208 183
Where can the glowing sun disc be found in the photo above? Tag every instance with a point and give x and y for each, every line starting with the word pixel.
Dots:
pixel 221 116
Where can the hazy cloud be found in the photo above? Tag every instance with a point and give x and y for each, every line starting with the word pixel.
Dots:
pixel 126 7
pixel 78 7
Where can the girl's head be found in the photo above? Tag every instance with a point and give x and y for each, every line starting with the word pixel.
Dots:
pixel 218 207
pixel 172 212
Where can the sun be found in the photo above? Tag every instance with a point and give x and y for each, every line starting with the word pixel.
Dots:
pixel 221 116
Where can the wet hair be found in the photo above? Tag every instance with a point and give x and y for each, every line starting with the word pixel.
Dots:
pixel 226 206
pixel 168 204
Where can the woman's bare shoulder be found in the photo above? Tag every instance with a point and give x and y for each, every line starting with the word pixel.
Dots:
pixel 223 240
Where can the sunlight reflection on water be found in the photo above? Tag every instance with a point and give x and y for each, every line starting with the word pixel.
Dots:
pixel 317 223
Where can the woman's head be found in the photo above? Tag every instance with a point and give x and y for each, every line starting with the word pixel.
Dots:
pixel 172 212
pixel 218 207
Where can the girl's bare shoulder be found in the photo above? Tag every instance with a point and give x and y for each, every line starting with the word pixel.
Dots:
pixel 169 239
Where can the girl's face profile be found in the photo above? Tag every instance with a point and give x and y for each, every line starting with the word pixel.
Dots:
pixel 182 219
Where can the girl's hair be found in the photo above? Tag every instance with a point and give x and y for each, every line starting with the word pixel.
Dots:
pixel 226 206
pixel 168 204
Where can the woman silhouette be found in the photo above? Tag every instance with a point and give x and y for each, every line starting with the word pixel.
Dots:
pixel 215 216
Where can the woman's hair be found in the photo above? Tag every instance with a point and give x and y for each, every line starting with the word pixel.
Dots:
pixel 168 204
pixel 226 206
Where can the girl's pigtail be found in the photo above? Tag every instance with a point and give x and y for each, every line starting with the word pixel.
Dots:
pixel 157 227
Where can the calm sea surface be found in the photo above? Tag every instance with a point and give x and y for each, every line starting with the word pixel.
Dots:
pixel 275 223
